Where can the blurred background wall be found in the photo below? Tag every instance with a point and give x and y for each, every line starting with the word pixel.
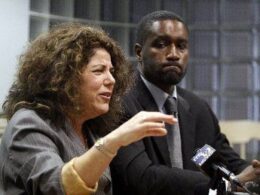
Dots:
pixel 224 67
pixel 14 31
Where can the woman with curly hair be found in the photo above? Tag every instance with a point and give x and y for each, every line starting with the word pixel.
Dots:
pixel 68 79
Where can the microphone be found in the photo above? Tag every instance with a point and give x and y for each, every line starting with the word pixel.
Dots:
pixel 210 162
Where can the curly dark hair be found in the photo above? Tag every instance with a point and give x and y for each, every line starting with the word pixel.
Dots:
pixel 50 70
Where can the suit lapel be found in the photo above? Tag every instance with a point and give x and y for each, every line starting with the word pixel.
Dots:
pixel 147 102
pixel 187 129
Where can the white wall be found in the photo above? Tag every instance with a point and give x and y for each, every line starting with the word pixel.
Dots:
pixel 14 33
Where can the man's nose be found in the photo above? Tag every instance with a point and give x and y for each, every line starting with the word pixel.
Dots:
pixel 173 53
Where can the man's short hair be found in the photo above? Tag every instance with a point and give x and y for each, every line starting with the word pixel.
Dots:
pixel 144 26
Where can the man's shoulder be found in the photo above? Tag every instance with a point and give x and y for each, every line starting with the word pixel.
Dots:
pixel 191 98
pixel 186 94
pixel 137 90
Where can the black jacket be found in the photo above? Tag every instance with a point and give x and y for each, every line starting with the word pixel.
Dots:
pixel 143 168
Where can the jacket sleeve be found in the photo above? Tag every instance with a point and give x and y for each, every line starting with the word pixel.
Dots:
pixel 33 164
pixel 134 173
pixel 221 144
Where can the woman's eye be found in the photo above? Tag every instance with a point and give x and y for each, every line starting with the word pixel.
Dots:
pixel 98 71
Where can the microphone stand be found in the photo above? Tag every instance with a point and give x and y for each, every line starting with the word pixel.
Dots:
pixel 217 183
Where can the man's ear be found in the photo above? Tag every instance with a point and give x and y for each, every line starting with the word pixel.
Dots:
pixel 138 52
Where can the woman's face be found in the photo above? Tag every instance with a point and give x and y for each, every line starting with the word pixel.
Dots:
pixel 98 84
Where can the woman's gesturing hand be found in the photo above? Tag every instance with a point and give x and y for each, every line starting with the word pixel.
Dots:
pixel 139 126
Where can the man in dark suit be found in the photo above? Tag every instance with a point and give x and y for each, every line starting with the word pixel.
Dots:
pixel 162 165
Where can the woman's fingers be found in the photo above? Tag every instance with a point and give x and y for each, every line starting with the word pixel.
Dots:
pixel 156 116
pixel 155 132
pixel 142 125
pixel 152 129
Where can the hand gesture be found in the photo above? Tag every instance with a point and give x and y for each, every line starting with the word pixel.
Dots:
pixel 142 125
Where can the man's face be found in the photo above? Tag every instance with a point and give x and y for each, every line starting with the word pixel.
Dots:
pixel 164 55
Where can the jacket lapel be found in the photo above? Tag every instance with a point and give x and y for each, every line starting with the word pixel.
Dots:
pixel 147 102
pixel 187 130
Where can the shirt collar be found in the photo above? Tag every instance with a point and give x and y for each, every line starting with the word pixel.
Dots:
pixel 159 95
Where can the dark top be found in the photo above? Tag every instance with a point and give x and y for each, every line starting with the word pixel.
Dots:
pixel 144 168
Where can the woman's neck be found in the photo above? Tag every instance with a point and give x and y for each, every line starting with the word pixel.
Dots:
pixel 77 127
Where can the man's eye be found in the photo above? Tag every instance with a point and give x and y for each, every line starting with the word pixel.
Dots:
pixel 160 44
pixel 183 46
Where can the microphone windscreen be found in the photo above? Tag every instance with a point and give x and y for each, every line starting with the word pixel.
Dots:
pixel 206 158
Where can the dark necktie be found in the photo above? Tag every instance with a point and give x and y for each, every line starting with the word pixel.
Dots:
pixel 173 136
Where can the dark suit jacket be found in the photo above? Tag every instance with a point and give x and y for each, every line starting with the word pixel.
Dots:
pixel 144 167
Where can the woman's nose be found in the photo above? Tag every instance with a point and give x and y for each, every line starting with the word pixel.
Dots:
pixel 110 79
